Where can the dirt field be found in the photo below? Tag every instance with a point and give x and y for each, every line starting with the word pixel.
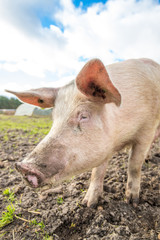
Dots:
pixel 61 216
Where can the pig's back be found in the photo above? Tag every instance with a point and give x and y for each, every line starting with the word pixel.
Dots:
pixel 136 78
pixel 138 82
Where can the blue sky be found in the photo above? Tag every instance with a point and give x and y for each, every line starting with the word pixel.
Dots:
pixel 46 19
pixel 85 4
pixel 46 43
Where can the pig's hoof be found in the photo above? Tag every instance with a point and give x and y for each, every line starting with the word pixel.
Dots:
pixel 91 199
pixel 89 203
pixel 132 200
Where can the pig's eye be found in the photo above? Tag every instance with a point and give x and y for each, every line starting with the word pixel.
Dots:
pixel 83 117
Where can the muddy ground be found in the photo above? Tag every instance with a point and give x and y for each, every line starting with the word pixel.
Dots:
pixel 62 214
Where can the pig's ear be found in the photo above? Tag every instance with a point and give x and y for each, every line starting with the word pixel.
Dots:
pixel 93 81
pixel 42 97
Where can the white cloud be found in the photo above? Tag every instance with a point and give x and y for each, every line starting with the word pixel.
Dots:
pixel 119 29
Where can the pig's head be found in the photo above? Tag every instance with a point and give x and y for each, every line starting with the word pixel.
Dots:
pixel 79 137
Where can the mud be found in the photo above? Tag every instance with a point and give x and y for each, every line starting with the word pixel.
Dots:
pixel 63 215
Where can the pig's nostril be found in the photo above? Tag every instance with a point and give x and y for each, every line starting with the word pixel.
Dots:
pixel 30 174
pixel 22 168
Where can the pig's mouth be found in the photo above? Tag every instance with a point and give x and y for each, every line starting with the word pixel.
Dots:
pixel 33 177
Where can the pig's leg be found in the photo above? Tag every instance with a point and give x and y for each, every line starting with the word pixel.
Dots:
pixel 138 154
pixel 96 185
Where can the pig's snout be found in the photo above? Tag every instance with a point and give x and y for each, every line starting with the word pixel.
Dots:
pixel 31 175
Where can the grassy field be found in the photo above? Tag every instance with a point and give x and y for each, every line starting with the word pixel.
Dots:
pixel 29 126
pixel 16 133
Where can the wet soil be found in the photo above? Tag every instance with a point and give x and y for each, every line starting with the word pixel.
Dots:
pixel 62 214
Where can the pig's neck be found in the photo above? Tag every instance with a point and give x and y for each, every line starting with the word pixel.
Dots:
pixel 116 122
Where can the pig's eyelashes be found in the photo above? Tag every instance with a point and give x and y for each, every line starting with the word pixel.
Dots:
pixel 83 117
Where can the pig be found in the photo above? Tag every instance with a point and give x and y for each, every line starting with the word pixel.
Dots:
pixel 99 113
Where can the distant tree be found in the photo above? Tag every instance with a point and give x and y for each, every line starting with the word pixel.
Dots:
pixel 9 103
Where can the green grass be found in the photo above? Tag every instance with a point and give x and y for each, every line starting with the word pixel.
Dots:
pixel 7 216
pixel 33 222
pixel 73 225
pixel 2 234
pixel 60 200
pixel 9 195
pixel 29 125
pixel 5 138
pixel 40 224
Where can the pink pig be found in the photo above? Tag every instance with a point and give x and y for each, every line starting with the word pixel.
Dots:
pixel 102 111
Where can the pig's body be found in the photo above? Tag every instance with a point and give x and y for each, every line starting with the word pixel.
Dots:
pixel 95 116
pixel 139 85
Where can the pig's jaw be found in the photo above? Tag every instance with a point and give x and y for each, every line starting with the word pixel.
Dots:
pixel 57 179
pixel 64 175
